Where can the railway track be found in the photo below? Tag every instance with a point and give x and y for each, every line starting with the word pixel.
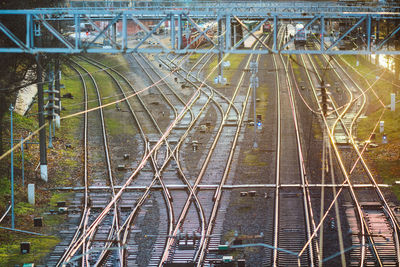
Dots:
pixel 58 255
pixel 292 219
pixel 190 227
pixel 158 156
pixel 92 201
pixel 175 182
pixel 176 251
pixel 361 218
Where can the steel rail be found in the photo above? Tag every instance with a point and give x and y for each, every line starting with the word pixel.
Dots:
pixel 166 193
pixel 348 132
pixel 115 224
pixel 339 119
pixel 5 213
pixel 196 79
pixel 306 194
pixel 218 191
pixel 85 211
pixel 184 214
pixel 277 161
pixel 344 171
pixel 193 191
pixel 171 155
pixel 68 255
pixel 158 86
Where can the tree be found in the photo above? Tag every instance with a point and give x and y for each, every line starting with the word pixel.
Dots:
pixel 14 67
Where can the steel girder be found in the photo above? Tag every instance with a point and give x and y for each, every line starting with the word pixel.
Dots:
pixel 360 28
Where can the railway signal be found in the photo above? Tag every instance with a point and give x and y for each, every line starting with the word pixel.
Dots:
pixel 384 139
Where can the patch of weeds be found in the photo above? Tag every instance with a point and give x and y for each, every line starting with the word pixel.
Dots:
pixel 234 59
pixel 117 127
pixel 116 61
pixel 23 208
pixel 317 131
pixel 57 196
pixel 10 254
pixel 389 172
pixel 392 125
pixel 253 158
pixel 296 71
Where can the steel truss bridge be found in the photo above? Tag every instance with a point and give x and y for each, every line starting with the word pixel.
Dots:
pixel 111 22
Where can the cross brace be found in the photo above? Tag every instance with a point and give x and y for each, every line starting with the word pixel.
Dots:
pixel 144 30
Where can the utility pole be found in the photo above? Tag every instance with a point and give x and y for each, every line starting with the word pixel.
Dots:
pixel 12 169
pixel 220 57
pixel 57 80
pixel 42 132
pixel 254 85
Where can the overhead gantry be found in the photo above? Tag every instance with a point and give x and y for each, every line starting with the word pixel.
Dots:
pixel 114 29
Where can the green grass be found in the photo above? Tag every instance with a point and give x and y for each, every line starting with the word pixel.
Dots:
pixel 57 196
pixel 10 249
pixel 116 61
pixel 58 175
pixel 26 123
pixel 383 87
pixel 195 56
pixel 384 158
pixel 23 208
pixel 115 127
pixel 105 84
pixel 109 93
pixel 390 172
pixel 253 158
pixel 391 126
pixel 296 71
pixel 234 59
pixel 261 106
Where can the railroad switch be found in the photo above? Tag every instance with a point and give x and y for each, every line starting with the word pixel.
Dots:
pixel 252 193
pixel 121 167
pixel 61 204
pixel 62 210
pixel 25 247
pixel 38 222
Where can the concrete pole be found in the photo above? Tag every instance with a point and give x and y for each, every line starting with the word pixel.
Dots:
pixel 22 162
pixel 57 73
pixel 42 132
pixel 255 145
pixel 12 169
pixel 220 47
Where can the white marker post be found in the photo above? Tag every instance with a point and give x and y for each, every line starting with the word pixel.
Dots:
pixel 392 102
pixel 31 194
pixel 381 126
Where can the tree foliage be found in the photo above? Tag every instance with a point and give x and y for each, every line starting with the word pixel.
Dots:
pixel 14 67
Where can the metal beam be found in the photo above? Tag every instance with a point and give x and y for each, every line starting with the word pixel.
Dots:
pixel 347 32
pixel 228 13
pixel 12 37
pixel 55 33
pixel 295 34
